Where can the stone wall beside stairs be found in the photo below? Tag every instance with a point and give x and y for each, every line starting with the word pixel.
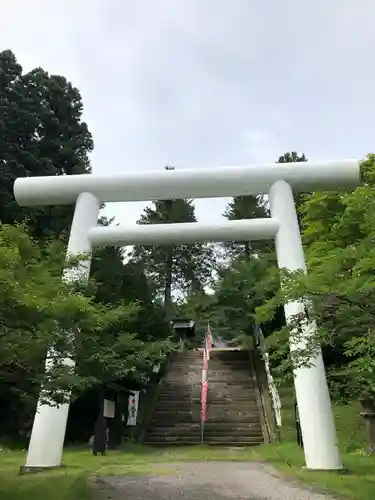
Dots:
pixel 234 416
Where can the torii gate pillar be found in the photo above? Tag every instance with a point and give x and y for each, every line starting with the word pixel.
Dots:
pixel 314 403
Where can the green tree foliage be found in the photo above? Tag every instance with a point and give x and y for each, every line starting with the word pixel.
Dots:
pixel 340 285
pixel 240 288
pixel 247 207
pixel 37 311
pixel 119 282
pixel 173 267
pixel 291 157
pixel 42 133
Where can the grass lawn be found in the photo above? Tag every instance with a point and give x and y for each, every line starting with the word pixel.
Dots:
pixel 70 482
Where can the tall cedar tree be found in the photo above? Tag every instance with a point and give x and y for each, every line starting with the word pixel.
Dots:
pixel 41 133
pixel 173 267
pixel 246 207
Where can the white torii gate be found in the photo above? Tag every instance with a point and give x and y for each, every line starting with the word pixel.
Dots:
pixel 279 181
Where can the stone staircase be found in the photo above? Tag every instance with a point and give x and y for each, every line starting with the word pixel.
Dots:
pixel 234 413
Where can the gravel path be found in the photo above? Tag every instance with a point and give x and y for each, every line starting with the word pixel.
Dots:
pixel 207 480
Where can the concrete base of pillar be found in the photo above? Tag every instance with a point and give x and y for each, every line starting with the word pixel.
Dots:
pixel 339 472
pixel 24 469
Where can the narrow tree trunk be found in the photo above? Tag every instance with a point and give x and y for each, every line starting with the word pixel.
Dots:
pixel 99 444
pixel 168 303
pixel 196 285
pixel 247 250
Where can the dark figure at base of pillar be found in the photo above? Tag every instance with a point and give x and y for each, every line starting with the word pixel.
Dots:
pixel 99 445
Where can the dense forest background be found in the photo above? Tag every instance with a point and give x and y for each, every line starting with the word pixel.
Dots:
pixel 123 314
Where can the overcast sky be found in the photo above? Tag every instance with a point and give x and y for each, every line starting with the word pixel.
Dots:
pixel 203 83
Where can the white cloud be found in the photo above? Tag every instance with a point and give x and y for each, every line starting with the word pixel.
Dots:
pixel 200 83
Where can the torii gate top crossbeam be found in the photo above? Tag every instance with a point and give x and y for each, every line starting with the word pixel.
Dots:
pixel 189 183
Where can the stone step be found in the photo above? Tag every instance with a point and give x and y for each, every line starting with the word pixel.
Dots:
pixel 185 357
pixel 224 387
pixel 174 384
pixel 220 377
pixel 229 427
pixel 218 392
pixel 231 403
pixel 208 431
pixel 175 388
pixel 184 382
pixel 186 417
pixel 173 439
pixel 227 402
pixel 177 406
pixel 240 440
pixel 234 417
pixel 231 395
pixel 213 406
pixel 236 368
pixel 212 397
pixel 212 365
pixel 230 369
pixel 178 390
pixel 249 413
pixel 232 414
pixel 229 355
pixel 217 440
pixel 209 427
pixel 186 376
pixel 222 395
pixel 175 420
pixel 214 390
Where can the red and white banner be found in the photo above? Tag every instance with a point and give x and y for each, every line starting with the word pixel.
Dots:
pixel 204 400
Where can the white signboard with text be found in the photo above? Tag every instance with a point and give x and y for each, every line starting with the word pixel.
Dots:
pixel 133 402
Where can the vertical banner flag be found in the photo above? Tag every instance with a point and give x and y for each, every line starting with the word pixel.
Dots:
pixel 205 366
pixel 276 403
pixel 133 402
pixel 206 356
pixel 208 342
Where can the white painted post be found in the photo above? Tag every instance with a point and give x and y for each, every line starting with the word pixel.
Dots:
pixel 313 399
pixel 48 433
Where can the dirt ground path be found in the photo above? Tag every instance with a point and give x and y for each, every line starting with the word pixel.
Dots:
pixel 207 480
